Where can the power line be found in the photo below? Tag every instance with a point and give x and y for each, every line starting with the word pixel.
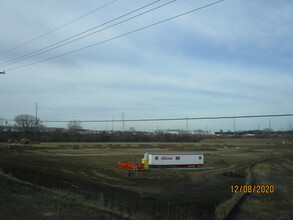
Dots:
pixel 119 36
pixel 62 26
pixel 43 50
pixel 176 119
pixel 51 47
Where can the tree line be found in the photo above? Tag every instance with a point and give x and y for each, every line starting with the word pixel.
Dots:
pixel 119 136
pixel 30 127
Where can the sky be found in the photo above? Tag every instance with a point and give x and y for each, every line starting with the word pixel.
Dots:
pixel 231 58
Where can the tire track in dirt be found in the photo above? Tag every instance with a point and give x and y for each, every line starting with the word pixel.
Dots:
pixel 236 208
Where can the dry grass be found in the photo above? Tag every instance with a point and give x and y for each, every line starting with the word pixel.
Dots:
pixel 90 177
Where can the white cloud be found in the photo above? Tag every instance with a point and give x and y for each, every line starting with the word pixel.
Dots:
pixel 232 58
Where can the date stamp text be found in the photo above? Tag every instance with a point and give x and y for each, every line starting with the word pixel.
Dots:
pixel 252 188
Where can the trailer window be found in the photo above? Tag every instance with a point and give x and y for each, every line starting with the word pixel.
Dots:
pixel 177 158
pixel 199 157
pixel 156 158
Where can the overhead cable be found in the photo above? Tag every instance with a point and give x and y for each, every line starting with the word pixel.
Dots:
pixel 176 119
pixel 58 44
pixel 62 26
pixel 119 36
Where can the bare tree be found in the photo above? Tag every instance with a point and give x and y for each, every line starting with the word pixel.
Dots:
pixel 290 126
pixel 27 123
pixel 2 121
pixel 74 126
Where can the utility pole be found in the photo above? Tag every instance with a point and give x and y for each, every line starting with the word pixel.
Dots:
pixel 234 125
pixel 37 109
pixel 187 124
pixel 112 124
pixel 36 119
pixel 123 121
pixel 269 127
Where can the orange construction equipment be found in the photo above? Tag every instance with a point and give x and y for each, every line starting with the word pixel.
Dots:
pixel 125 165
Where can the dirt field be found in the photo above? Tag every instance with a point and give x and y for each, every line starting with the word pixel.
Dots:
pixel 54 181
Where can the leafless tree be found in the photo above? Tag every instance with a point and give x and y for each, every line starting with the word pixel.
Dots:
pixel 74 126
pixel 290 126
pixel 2 121
pixel 27 123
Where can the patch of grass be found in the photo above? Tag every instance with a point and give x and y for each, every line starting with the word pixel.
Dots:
pixel 90 177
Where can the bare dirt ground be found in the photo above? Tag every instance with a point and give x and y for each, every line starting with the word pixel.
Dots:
pixel 54 181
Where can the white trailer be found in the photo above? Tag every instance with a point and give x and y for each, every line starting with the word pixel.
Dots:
pixel 156 160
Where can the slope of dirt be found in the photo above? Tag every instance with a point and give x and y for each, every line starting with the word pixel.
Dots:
pixel 22 200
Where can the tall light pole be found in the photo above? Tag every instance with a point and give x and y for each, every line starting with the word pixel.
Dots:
pixel 234 125
pixel 123 121
pixel 112 124
pixel 37 110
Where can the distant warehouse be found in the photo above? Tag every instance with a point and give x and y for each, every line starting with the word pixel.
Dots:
pixel 156 160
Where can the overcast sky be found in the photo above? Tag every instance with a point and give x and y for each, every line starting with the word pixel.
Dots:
pixel 232 58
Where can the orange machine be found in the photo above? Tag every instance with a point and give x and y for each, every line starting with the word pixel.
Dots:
pixel 125 165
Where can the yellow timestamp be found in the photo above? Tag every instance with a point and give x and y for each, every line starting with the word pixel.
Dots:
pixel 252 188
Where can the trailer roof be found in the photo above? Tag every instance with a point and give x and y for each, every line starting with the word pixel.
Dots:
pixel 176 153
